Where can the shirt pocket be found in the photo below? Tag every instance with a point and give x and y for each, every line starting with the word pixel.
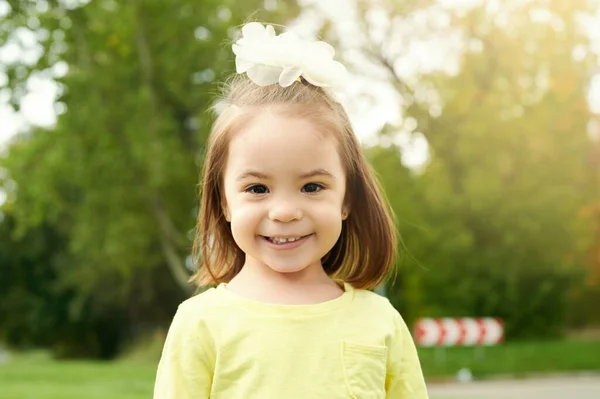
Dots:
pixel 364 370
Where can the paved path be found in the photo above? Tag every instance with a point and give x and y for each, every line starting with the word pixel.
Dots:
pixel 584 387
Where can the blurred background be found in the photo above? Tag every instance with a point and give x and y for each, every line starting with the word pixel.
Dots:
pixel 482 119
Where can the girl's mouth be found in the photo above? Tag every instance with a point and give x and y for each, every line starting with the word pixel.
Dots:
pixel 279 240
pixel 286 242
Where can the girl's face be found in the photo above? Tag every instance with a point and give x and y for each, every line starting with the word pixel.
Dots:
pixel 284 192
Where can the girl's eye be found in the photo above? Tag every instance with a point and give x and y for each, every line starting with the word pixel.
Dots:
pixel 257 189
pixel 312 188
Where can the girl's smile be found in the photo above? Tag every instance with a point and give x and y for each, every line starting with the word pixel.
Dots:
pixel 289 242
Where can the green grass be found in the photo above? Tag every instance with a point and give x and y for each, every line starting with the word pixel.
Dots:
pixel 516 359
pixel 35 375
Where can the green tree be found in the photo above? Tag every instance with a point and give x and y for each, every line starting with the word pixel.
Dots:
pixel 491 221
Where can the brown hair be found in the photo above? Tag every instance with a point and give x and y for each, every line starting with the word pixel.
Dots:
pixel 364 254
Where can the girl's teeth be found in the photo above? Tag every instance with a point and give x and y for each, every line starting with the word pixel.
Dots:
pixel 283 240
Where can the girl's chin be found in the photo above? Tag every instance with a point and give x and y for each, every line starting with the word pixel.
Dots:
pixel 291 268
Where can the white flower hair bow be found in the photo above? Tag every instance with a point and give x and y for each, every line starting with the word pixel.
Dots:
pixel 267 58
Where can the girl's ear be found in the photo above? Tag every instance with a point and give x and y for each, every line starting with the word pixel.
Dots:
pixel 345 212
pixel 346 207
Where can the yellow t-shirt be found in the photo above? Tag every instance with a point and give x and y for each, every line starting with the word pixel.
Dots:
pixel 223 346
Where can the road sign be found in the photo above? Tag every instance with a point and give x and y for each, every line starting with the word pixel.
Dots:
pixel 459 331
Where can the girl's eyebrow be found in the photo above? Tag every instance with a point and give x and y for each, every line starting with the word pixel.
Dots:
pixel 313 173
pixel 317 173
pixel 252 173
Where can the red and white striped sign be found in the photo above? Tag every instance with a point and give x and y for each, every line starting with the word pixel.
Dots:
pixel 459 331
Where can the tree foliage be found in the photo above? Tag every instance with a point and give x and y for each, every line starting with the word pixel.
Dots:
pixel 492 221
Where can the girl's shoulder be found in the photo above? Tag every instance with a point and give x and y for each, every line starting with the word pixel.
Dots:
pixel 205 300
pixel 374 309
pixel 373 301
pixel 377 312
pixel 199 312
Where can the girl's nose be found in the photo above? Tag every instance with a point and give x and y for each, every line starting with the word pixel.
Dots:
pixel 285 212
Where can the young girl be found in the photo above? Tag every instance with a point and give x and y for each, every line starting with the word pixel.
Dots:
pixel 293 231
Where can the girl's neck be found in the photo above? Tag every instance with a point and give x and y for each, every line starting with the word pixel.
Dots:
pixel 310 286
